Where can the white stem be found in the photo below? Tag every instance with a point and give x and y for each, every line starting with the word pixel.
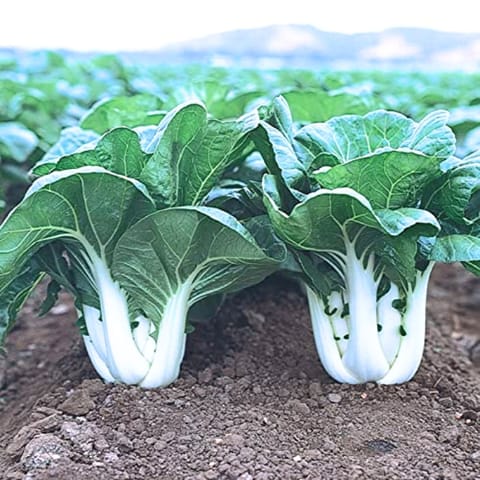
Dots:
pixel 170 344
pixel 339 323
pixel 125 361
pixel 97 362
pixel 142 335
pixel 390 319
pixel 327 348
pixel 364 355
pixel 411 345
pixel 91 316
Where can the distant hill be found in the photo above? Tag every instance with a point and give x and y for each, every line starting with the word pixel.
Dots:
pixel 304 45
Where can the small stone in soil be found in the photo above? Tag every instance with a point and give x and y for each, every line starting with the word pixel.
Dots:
pixel 446 402
pixel 234 439
pixel 450 435
pixel 380 445
pixel 200 392
pixel 205 376
pixel 23 436
pixel 168 437
pixel 211 475
pixel 101 444
pixel 475 456
pixel 469 415
pixel 42 451
pixel 78 404
pixel 334 397
pixel 298 407
pixel 329 445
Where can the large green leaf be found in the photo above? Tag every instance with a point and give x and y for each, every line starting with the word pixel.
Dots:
pixel 89 206
pixel 279 155
pixel 456 248
pixel 117 151
pixel 199 246
pixel 326 219
pixel 191 153
pixel 349 137
pixel 279 116
pixel 390 179
pixel 172 146
pixel 71 139
pixel 454 197
pixel 219 146
pixel 123 111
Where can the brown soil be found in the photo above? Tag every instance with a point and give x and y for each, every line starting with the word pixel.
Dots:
pixel 252 401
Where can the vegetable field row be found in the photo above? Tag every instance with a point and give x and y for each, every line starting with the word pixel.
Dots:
pixel 156 192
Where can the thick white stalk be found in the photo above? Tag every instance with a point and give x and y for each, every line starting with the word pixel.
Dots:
pixel 327 348
pixel 170 344
pixel 94 325
pixel 98 363
pixel 125 361
pixel 390 320
pixel 142 335
pixel 339 323
pixel 411 345
pixel 364 355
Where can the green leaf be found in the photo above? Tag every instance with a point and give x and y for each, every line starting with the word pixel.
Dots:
pixel 13 296
pixel 326 219
pixel 278 115
pixel 242 200
pixel 199 246
pixel 319 222
pixel 53 289
pixel 71 139
pixel 117 151
pixel 123 111
pixel 172 145
pixel 319 106
pixel 350 137
pixel 190 154
pixel 454 197
pixel 317 273
pixel 219 146
pixel 234 106
pixel 279 155
pixel 88 206
pixel 389 180
pixel 456 248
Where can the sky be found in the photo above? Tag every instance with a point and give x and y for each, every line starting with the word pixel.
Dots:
pixel 109 25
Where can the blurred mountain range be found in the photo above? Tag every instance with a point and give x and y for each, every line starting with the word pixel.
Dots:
pixel 305 45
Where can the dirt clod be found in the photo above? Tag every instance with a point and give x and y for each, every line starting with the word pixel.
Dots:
pixel 380 445
pixel 78 404
pixel 42 451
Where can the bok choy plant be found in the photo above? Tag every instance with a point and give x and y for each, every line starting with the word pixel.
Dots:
pixel 119 222
pixel 367 204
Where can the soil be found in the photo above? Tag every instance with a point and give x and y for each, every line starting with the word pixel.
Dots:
pixel 252 401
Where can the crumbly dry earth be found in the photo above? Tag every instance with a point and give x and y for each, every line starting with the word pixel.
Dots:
pixel 252 401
